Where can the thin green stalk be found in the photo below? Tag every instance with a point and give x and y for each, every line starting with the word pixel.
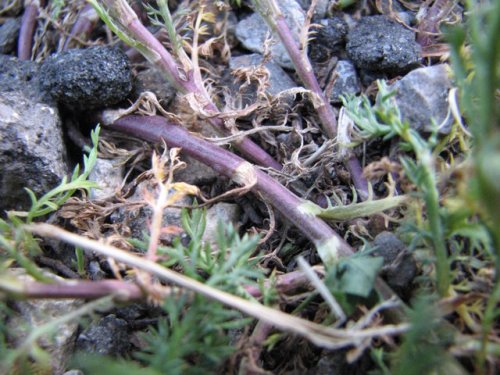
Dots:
pixel 490 316
pixel 354 210
pixel 431 198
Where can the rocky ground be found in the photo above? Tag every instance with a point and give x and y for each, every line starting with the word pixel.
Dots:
pixel 52 98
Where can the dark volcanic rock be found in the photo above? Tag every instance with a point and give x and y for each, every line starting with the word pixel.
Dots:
pixel 108 336
pixel 332 33
pixel 95 77
pixel 8 35
pixel 400 268
pixel 17 75
pixel 378 43
pixel 328 39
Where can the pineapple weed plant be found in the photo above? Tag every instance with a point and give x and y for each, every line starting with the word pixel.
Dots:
pixel 449 218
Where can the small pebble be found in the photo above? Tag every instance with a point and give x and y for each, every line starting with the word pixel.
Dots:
pixel 346 82
pixel 400 267
pixel 378 43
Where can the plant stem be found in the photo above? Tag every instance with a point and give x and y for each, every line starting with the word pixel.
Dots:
pixel 85 21
pixel 154 128
pixel 126 291
pixel 184 76
pixel 431 198
pixel 28 22
pixel 330 245
pixel 355 210
pixel 269 10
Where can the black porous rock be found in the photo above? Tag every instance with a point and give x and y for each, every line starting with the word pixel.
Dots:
pixel 108 336
pixel 332 33
pixel 378 43
pixel 328 39
pixel 95 77
pixel 400 267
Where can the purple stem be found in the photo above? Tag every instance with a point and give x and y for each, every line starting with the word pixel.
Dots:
pixel 326 240
pixel 186 83
pixel 96 289
pixel 155 129
pixel 85 22
pixel 325 110
pixel 82 289
pixel 28 22
pixel 360 182
pixel 306 75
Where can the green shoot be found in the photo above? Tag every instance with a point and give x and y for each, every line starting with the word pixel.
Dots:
pixel 17 243
pixel 53 199
pixel 384 120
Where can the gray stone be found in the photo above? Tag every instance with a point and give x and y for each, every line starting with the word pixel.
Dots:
pixel 109 177
pixel 422 96
pixel 346 82
pixel 16 75
pixel 220 212
pixel 278 79
pixel 33 314
pixel 107 336
pixel 95 272
pixel 151 79
pixel 32 152
pixel 400 268
pixel 319 11
pixel 378 43
pixel 9 32
pixel 195 173
pixel 252 32
pixel 94 77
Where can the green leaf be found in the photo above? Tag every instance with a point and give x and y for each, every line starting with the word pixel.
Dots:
pixel 355 275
